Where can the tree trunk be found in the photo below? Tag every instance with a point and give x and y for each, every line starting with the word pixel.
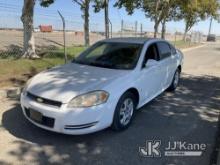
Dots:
pixel 185 32
pixel 156 22
pixel 28 27
pixel 86 23
pixel 163 31
pixel 184 36
pixel 156 29
pixel 106 4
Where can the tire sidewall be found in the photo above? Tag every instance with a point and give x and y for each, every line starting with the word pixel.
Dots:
pixel 116 125
pixel 172 87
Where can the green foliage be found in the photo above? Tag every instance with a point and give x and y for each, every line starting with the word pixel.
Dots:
pixel 46 3
pixel 153 8
pixel 156 10
pixel 193 11
pixel 130 6
pixel 98 5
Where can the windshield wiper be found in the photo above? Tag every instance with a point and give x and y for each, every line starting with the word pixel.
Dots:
pixel 93 63
pixel 104 65
pixel 79 62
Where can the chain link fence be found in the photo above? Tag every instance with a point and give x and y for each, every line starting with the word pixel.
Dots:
pixel 48 33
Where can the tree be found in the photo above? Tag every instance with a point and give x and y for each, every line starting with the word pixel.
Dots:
pixel 103 4
pixel 161 11
pixel 190 14
pixel 84 5
pixel 28 27
pixel 197 10
pixel 171 13
pixel 156 10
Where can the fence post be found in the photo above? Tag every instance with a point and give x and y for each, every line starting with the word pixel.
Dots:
pixel 141 29
pixel 110 27
pixel 175 38
pixel 191 38
pixel 64 35
pixel 136 24
pixel 122 27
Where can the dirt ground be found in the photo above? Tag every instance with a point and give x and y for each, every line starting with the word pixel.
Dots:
pixel 207 61
pixel 190 114
pixel 13 39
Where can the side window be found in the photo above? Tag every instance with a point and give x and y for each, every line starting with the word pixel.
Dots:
pixel 151 53
pixel 173 50
pixel 164 50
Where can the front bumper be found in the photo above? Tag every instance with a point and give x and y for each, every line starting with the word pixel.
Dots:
pixel 74 121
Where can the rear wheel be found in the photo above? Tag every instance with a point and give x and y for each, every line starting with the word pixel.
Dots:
pixel 124 111
pixel 175 81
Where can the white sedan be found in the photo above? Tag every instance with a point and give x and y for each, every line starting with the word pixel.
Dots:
pixel 103 86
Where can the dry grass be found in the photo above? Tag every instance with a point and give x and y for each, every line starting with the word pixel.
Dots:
pixel 15 72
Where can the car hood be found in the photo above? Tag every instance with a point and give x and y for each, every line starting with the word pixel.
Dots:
pixel 64 82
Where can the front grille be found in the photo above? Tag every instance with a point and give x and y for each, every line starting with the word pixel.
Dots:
pixel 83 126
pixel 46 121
pixel 43 100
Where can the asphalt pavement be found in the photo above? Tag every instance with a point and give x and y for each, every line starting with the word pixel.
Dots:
pixel 189 115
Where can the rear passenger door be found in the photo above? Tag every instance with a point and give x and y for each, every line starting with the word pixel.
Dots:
pixel 174 62
pixel 166 63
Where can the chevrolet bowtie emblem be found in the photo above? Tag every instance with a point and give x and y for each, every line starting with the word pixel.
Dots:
pixel 40 100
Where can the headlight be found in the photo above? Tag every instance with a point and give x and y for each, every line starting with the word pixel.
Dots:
pixel 89 99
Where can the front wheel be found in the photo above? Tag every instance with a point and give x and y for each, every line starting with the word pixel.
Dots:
pixel 175 81
pixel 124 112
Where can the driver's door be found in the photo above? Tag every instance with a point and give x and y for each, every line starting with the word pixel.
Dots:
pixel 151 74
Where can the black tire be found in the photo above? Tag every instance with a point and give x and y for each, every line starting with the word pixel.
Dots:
pixel 117 124
pixel 175 84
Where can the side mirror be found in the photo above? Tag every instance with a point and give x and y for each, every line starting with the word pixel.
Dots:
pixel 151 63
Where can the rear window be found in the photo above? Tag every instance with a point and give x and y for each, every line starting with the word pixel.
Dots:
pixel 164 50
pixel 173 49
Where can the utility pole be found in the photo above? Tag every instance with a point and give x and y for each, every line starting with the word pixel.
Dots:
pixel 106 19
pixel 141 30
pixel 122 27
pixel 110 28
pixel 136 24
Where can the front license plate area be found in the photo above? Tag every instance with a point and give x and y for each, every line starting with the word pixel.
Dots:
pixel 35 115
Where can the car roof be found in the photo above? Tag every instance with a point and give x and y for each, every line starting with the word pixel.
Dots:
pixel 137 40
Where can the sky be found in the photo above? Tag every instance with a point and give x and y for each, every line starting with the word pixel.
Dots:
pixel 10 11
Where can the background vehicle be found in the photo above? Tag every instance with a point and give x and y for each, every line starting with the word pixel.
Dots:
pixel 211 37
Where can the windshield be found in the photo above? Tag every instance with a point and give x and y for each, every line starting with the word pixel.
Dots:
pixel 111 55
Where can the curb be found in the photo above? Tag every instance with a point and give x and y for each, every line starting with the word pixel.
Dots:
pixel 12 92
pixel 192 48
